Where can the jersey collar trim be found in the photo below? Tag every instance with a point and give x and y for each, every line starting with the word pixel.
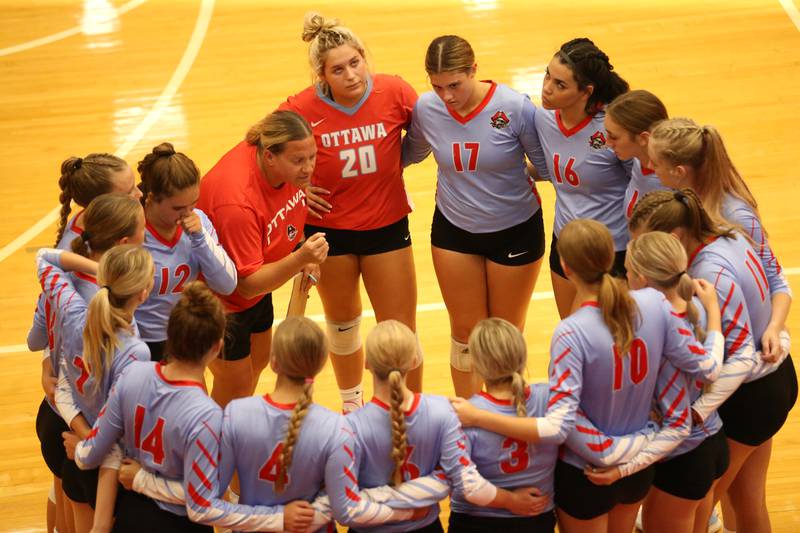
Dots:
pixel 162 240
pixel 591 303
pixel 500 401
pixel 647 171
pixel 698 249
pixel 569 132
pixel 85 277
pixel 74 224
pixel 409 412
pixel 350 111
pixel 178 382
pixel 282 406
pixel 475 112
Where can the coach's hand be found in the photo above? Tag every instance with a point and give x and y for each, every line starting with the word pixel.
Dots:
pixel 127 472
pixel 603 476
pixel 317 205
pixel 314 249
pixel 311 275
pixel 297 516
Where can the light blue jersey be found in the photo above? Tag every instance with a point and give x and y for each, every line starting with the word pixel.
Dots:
pixel 643 180
pixel 589 180
pixel 177 262
pixel 482 184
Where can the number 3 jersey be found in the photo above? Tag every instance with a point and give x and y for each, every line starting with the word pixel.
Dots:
pixel 482 184
pixel 589 180
pixel 509 463
pixel 359 149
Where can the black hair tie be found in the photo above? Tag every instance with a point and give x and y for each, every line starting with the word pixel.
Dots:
pixel 78 164
pixel 86 236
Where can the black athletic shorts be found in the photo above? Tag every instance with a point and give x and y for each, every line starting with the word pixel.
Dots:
pixel 49 427
pixel 617 270
pixel 79 485
pixel 582 499
pixel 136 513
pixel 465 523
pixel 156 350
pixel 757 410
pixel 364 242
pixel 691 474
pixel 239 326
pixel 518 245
pixel 433 527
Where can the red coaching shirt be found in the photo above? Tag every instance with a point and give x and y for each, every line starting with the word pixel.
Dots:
pixel 256 223
pixel 359 152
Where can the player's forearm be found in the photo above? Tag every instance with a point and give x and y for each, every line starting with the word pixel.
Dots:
pixel 270 276
pixel 218 269
pixel 781 304
pixel 511 426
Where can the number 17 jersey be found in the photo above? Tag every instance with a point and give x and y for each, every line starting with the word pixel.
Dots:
pixel 359 152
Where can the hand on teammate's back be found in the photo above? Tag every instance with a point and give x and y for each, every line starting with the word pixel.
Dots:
pixel 297 516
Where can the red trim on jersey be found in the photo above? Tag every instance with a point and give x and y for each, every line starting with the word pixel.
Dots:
pixel 679 315
pixel 679 422
pixel 500 401
pixel 351 495
pixel 675 404
pixel 196 498
pixel 199 473
pixel 734 322
pixel 411 409
pixel 477 110
pixel 600 447
pixel 647 171
pixel 161 239
pixel 86 277
pixel 685 332
pixel 567 373
pixel 561 356
pixel 178 382
pixel 206 453
pixel 697 250
pixel 667 387
pixel 350 474
pixel 284 406
pixel 588 431
pixel 557 398
pixel 569 132
pixel 591 303
pixel 74 224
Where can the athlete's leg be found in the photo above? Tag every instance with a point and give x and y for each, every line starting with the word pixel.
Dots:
pixel 748 491
pixel 510 290
pixel 564 291
pixel 260 346
pixel 570 524
pixel 232 379
pixel 664 512
pixel 703 513
pixel 622 518
pixel 391 283
pixel 83 515
pixel 462 281
pixel 341 299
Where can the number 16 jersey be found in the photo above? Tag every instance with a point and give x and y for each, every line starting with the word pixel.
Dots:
pixel 358 152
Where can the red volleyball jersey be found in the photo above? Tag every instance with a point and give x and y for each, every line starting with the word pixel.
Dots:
pixel 256 223
pixel 359 152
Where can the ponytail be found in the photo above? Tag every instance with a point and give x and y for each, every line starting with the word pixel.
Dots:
pixel 82 179
pixel 686 291
pixel 299 350
pixel 165 172
pixel 108 219
pixel 122 273
pixel 292 433
pixel 668 210
pixel 587 248
pixel 399 441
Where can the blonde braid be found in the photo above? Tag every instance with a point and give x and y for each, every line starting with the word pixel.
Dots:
pixel 518 392
pixel 399 441
pixel 299 413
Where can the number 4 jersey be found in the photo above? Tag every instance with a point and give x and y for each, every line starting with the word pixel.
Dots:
pixel 359 149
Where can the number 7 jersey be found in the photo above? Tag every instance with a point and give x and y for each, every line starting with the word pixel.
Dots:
pixel 358 152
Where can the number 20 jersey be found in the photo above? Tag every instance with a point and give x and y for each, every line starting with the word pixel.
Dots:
pixel 359 152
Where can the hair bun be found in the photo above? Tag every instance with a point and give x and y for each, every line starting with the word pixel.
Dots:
pixel 164 150
pixel 314 24
pixel 198 298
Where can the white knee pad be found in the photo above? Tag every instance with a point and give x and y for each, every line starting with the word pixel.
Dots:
pixel 344 338
pixel 460 358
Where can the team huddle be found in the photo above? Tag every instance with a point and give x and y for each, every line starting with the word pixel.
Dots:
pixel 670 369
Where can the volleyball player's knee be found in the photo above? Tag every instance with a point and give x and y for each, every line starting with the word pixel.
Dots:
pixel 460 358
pixel 344 338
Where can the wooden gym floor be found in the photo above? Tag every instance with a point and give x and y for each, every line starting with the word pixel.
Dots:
pixel 103 75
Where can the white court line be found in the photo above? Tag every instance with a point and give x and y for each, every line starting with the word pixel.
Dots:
pixel 423 308
pixel 791 11
pixel 47 39
pixel 189 55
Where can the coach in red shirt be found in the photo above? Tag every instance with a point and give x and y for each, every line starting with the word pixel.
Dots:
pixel 254 197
